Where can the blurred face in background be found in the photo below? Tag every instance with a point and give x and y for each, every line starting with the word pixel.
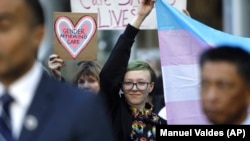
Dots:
pixel 89 82
pixel 136 86
pixel 224 94
pixel 19 39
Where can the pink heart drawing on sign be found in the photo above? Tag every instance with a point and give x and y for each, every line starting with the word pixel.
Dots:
pixel 75 38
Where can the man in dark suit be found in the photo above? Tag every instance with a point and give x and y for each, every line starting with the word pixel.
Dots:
pixel 39 107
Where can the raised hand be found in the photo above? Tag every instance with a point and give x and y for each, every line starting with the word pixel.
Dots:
pixel 55 63
pixel 185 11
pixel 144 8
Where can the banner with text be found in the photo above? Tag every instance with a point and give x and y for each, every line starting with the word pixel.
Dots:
pixel 116 14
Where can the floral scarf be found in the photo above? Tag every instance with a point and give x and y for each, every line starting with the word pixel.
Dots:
pixel 144 124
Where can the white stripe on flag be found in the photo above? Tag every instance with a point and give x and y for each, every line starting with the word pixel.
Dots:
pixel 185 112
pixel 181 82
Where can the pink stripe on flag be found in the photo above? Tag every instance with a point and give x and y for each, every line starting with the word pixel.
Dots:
pixel 185 112
pixel 179 47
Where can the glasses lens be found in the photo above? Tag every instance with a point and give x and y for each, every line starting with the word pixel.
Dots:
pixel 139 85
pixel 142 85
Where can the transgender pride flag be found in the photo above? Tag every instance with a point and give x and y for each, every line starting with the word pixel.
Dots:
pixel 181 40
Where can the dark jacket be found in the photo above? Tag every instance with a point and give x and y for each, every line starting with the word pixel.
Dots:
pixel 65 113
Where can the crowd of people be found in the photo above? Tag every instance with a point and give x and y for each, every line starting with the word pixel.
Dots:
pixel 110 102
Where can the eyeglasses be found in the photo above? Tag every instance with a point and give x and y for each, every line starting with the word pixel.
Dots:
pixel 139 85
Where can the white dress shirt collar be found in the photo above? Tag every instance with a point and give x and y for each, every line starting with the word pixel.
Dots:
pixel 24 88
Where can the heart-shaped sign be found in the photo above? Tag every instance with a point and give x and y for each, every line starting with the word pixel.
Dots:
pixel 75 38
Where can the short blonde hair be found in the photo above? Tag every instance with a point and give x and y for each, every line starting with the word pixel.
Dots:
pixel 91 68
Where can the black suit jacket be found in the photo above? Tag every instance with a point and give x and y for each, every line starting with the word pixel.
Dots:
pixel 60 112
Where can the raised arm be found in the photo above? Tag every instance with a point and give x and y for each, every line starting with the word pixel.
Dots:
pixel 114 69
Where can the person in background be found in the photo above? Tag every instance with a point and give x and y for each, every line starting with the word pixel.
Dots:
pixel 131 115
pixel 86 77
pixel 225 85
pixel 35 107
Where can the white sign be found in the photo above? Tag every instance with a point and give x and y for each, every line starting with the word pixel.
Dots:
pixel 116 14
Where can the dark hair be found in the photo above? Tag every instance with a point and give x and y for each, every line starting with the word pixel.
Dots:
pixel 37 12
pixel 87 68
pixel 140 65
pixel 232 54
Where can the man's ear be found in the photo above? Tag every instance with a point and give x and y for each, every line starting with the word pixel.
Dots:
pixel 38 35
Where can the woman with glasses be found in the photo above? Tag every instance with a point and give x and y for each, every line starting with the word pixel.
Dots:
pixel 131 114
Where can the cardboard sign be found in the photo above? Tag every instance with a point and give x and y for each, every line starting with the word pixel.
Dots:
pixel 75 35
pixel 116 14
